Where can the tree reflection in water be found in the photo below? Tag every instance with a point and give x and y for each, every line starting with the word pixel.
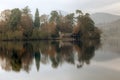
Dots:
pixel 19 56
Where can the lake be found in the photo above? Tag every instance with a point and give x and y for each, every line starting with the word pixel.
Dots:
pixel 60 60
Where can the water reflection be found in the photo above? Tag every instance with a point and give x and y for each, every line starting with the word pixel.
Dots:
pixel 17 56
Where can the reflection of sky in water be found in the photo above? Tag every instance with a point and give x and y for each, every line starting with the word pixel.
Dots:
pixel 97 70
pixel 105 65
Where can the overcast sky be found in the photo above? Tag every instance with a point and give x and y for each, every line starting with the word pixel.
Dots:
pixel 45 6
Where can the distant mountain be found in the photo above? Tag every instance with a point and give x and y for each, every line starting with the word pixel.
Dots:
pixel 103 18
pixel 111 36
pixel 110 30
pixel 112 26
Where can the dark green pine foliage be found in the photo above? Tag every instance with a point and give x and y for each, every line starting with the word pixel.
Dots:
pixel 37 19
pixel 37 60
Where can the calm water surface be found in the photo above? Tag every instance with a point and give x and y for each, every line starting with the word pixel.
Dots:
pixel 57 60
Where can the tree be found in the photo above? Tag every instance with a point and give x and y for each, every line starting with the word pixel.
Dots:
pixel 26 22
pixel 37 19
pixel 44 18
pixel 50 29
pixel 85 27
pixel 65 24
pixel 26 10
pixel 64 27
pixel 79 12
pixel 14 18
pixel 69 19
pixel 87 24
pixel 54 17
pixel 26 25
pixel 87 14
pixel 5 17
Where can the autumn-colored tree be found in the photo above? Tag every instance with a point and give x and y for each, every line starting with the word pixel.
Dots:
pixel 5 17
pixel 16 23
pixel 69 19
pixel 26 22
pixel 65 23
pixel 44 18
pixel 50 29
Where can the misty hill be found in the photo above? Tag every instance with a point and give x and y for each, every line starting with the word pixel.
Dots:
pixel 102 18
pixel 111 36
pixel 111 29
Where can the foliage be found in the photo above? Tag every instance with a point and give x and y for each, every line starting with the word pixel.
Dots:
pixel 69 19
pixel 14 18
pixel 85 26
pixel 54 17
pixel 37 19
pixel 26 10
pixel 18 24
pixel 44 18
pixel 26 23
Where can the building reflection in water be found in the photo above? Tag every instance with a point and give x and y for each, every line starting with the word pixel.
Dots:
pixel 20 56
